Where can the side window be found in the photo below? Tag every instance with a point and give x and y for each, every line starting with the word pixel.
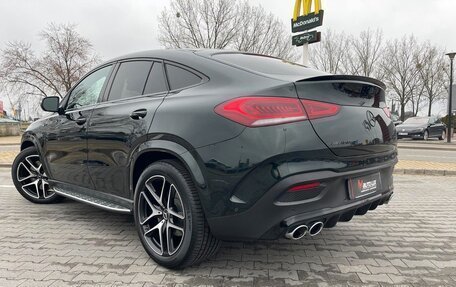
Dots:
pixel 179 78
pixel 129 80
pixel 156 81
pixel 88 90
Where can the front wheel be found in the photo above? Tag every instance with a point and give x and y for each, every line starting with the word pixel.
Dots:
pixel 169 218
pixel 426 135
pixel 30 179
pixel 443 135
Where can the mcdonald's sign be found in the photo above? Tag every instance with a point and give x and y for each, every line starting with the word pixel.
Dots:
pixel 304 18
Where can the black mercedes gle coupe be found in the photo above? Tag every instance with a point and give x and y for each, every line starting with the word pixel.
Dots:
pixel 209 145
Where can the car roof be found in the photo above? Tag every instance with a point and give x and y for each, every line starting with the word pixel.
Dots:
pixel 192 58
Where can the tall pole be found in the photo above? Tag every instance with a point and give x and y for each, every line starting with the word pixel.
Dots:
pixel 305 54
pixel 450 133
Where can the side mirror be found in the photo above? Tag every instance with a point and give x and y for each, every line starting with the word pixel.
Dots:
pixel 50 104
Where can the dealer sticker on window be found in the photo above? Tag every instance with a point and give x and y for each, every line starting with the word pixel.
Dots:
pixel 362 186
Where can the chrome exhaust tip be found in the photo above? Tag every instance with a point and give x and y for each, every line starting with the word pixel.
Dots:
pixel 316 228
pixel 297 233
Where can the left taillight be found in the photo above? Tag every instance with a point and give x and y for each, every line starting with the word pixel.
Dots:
pixel 266 111
pixel 262 111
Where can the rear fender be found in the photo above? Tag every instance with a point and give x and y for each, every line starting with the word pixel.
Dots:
pixel 175 149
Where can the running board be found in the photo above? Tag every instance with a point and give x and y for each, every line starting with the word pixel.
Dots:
pixel 101 203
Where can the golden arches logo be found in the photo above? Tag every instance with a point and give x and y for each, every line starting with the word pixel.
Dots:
pixel 306 8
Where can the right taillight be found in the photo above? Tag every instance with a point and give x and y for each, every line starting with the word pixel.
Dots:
pixel 266 111
pixel 317 110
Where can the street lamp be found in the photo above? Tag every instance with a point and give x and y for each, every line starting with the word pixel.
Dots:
pixel 449 135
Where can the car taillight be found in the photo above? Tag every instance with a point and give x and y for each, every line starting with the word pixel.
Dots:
pixel 266 111
pixel 387 112
pixel 316 110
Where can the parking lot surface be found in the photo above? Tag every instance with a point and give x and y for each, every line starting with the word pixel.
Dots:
pixel 411 242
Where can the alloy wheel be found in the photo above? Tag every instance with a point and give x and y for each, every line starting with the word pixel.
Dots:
pixel 33 179
pixel 426 135
pixel 161 216
pixel 443 135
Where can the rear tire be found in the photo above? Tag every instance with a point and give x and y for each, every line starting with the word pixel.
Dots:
pixel 443 135
pixel 169 218
pixel 30 178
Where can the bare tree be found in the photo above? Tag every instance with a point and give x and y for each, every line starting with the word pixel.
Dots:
pixel 66 57
pixel 417 97
pixel 431 64
pixel 224 24
pixel 364 53
pixel 400 69
pixel 329 55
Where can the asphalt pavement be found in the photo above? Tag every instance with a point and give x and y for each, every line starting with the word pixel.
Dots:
pixel 427 155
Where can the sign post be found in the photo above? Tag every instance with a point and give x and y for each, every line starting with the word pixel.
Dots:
pixel 303 21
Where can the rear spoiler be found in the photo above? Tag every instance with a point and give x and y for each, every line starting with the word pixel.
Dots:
pixel 345 78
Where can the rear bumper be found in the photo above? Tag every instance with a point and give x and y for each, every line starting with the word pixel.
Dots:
pixel 271 216
pixel 414 135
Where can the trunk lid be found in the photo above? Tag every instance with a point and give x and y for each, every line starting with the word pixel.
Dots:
pixel 362 126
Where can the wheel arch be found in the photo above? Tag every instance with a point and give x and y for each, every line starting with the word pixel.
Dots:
pixel 33 140
pixel 29 140
pixel 152 151
pixel 26 144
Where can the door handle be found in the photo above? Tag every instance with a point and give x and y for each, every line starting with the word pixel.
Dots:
pixel 81 120
pixel 138 114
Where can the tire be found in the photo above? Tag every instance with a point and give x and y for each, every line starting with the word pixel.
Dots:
pixel 30 179
pixel 179 221
pixel 443 135
pixel 426 135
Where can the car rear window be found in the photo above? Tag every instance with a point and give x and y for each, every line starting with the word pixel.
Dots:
pixel 262 64
pixel 130 80
pixel 156 81
pixel 180 78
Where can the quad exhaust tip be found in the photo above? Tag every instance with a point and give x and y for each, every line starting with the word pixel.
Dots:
pixel 316 228
pixel 297 233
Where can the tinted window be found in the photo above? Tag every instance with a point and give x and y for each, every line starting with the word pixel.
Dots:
pixel 88 90
pixel 156 82
pixel 263 64
pixel 179 78
pixel 130 80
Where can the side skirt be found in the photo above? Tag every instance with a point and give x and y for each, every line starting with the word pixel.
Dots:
pixel 98 199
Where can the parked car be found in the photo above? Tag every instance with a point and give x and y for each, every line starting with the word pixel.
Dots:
pixel 208 145
pixel 422 128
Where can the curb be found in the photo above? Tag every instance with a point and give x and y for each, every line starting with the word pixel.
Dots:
pixel 430 172
pixel 10 144
pixel 427 148
pixel 5 165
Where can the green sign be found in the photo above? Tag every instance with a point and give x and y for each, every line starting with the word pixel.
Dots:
pixel 310 21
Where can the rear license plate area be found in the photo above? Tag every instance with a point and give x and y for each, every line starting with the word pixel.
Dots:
pixel 362 186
